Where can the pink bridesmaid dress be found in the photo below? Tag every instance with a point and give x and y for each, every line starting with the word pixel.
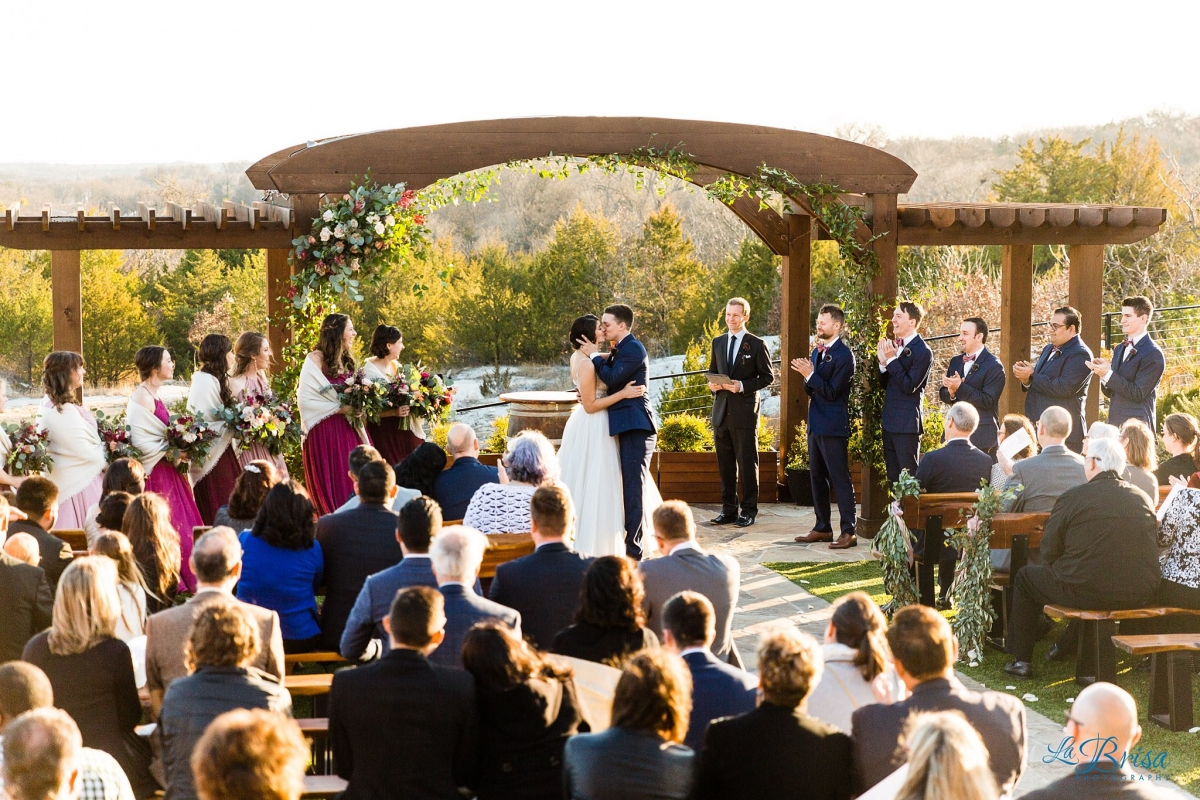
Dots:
pixel 164 480
pixel 326 454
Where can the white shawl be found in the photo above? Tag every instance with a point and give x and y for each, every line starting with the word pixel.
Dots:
pixel 204 398
pixel 75 446
pixel 147 433
pixel 5 449
pixel 315 396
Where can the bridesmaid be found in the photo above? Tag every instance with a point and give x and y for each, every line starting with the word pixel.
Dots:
pixel 6 478
pixel 252 358
pixel 213 480
pixel 74 441
pixel 388 435
pixel 329 435
pixel 148 418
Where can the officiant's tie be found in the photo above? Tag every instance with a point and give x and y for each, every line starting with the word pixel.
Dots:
pixel 732 352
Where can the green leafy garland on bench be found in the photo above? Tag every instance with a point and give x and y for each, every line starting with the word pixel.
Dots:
pixel 893 546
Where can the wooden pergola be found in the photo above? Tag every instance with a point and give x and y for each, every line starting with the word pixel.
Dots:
pixel 300 175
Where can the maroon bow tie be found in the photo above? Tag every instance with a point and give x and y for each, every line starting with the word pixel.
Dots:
pixel 1130 346
pixel 1054 352
pixel 821 348
pixel 898 342
pixel 967 359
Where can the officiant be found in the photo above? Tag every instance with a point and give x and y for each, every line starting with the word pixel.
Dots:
pixel 740 365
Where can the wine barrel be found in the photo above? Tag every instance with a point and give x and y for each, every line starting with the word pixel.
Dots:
pixel 539 411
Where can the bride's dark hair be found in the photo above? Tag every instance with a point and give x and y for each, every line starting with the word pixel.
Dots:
pixel 584 328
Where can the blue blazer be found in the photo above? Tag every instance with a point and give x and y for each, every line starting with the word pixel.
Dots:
pixel 1062 382
pixel 718 690
pixel 463 610
pixel 828 390
pixel 981 388
pixel 956 466
pixel 544 588
pixel 453 488
pixel 628 362
pixel 1132 388
pixel 904 381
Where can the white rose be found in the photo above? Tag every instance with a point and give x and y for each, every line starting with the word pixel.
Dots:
pixel 327 216
pixel 189 437
pixel 389 220
pixel 353 223
pixel 379 229
pixel 339 231
pixel 325 234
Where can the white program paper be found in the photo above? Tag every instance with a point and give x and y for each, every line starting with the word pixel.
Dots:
pixel 1015 443
pixel 1170 498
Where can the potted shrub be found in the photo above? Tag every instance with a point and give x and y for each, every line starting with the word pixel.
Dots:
pixel 799 478
pixel 685 465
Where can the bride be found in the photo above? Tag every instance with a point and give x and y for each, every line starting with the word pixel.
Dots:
pixel 589 459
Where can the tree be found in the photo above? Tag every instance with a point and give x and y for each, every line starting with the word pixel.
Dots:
pixel 115 324
pixel 27 334
pixel 491 310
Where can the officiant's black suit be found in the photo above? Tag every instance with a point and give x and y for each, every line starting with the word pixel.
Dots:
pixel 735 418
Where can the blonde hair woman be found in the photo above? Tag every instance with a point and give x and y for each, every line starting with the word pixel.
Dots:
pixel 90 670
pixel 131 586
pixel 946 760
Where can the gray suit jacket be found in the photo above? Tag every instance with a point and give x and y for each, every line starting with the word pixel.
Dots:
pixel 166 636
pixel 716 576
pixel 1044 476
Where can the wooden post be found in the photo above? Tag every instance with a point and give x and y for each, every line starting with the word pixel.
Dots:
pixel 279 271
pixel 1016 316
pixel 66 293
pixel 886 285
pixel 1085 290
pixel 793 330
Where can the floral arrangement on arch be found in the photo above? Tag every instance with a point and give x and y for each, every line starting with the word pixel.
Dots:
pixel 262 419
pixel 114 433
pixel 29 449
pixel 188 441
pixel 353 238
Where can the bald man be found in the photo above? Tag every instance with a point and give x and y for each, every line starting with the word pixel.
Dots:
pixel 454 488
pixel 1101 728
pixel 23 547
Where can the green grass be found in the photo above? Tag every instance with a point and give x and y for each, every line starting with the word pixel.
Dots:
pixel 1053 683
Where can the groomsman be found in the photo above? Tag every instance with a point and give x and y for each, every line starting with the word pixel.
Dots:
pixel 1131 380
pixel 1060 376
pixel 905 362
pixel 744 359
pixel 828 375
pixel 976 376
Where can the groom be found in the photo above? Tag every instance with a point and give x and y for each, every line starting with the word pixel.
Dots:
pixel 630 420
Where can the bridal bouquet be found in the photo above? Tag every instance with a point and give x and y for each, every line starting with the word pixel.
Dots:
pixel 430 395
pixel 262 419
pixel 363 396
pixel 28 452
pixel 114 433
pixel 188 441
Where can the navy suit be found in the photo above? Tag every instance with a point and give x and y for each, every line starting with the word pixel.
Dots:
pixel 355 544
pixel 464 609
pixel 904 380
pixel 956 466
pixel 981 388
pixel 1132 386
pixel 718 690
pixel 828 390
pixel 632 421
pixel 453 488
pixel 1061 381
pixel 544 588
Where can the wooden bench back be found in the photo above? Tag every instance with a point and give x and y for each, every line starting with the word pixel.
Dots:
pixel 1007 525
pixel 504 547
pixel 75 538
pixel 953 507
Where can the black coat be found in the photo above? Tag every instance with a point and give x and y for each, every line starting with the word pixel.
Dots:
pixel 404 727
pixel 544 587
pixel 608 646
pixel 751 366
pixel 56 553
pixel 27 602
pixel 774 752
pixel 355 543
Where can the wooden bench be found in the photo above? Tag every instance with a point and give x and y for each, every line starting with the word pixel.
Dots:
pixel 312 685
pixel 1170 703
pixel 1097 657
pixel 933 513
pixel 316 731
pixel 504 547
pixel 321 657
pixel 1017 533
pixel 76 538
pixel 322 786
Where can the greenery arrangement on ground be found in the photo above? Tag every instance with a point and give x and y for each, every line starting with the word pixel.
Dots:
pixel 1053 684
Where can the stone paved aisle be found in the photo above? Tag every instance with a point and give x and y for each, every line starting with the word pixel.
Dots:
pixel 767 596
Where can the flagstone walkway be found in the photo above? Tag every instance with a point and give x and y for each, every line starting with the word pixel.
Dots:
pixel 767 596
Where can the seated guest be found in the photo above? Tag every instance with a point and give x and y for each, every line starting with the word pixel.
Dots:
pixel 1105 713
pixel 357 543
pixel 126 476
pixel 131 586
pixel 220 648
pixel 111 514
pixel 249 491
pixel 946 759
pixel 25 597
pixel 361 456
pixel 544 585
pixel 1139 478
pixel 925 650
pixel 406 726
pixel 23 688
pixel 641 755
pixel 688 567
pixel 1179 533
pixel 42 753
pixel 504 507
pixel 777 750
pixel 1138 441
pixel 454 487
pixel 283 567
pixel 610 624
pixel 37 497
pixel 1099 551
pixel 718 689
pixel 457 553
pixel 256 753
pixel 1003 467
pixel 91 671
pixel 23 548
pixel 1052 471
pixel 217 564
pixel 1180 437
pixel 527 711
pixel 147 525
pixel 858 665
pixel 421 468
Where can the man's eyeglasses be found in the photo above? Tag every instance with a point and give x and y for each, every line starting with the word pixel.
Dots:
pixel 1055 325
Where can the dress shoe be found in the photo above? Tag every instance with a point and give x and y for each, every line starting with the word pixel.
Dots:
pixel 724 518
pixel 1056 653
pixel 943 604
pixel 744 521
pixel 815 536
pixel 1019 669
pixel 845 542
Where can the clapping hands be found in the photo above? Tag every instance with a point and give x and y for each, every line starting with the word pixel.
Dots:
pixel 1099 367
pixel 803 366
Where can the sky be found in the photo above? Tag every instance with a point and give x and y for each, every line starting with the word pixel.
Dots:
pixel 140 82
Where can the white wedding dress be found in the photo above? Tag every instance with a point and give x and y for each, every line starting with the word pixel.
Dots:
pixel 590 468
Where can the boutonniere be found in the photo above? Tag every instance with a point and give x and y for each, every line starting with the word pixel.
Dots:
pixel 745 347
pixel 906 352
pixel 825 359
